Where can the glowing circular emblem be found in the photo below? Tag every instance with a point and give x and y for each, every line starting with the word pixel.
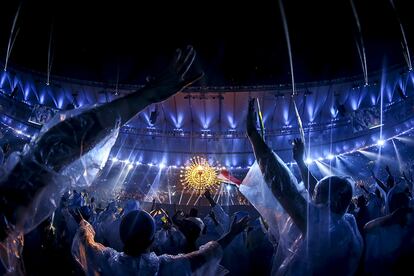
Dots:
pixel 199 175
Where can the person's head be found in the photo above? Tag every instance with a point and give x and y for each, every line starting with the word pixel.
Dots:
pixel 131 205
pixel 193 213
pixel 335 191
pixel 137 232
pixel 398 200
pixel 361 201
pixel 192 228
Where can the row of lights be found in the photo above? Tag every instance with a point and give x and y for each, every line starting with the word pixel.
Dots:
pixel 380 143
pixel 131 164
pixel 330 156
pixel 17 131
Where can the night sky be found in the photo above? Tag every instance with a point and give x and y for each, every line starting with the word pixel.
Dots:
pixel 239 42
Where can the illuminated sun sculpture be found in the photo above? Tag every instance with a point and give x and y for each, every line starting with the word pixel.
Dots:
pixel 199 175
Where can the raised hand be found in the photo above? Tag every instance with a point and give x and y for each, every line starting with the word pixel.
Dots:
pixel 207 194
pixel 298 150
pixel 176 76
pixel 251 117
pixel 77 215
pixel 153 204
pixel 387 169
pixel 213 217
pixel 209 198
pixel 239 226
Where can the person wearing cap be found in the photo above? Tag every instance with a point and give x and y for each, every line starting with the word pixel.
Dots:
pixel 110 228
pixel 137 231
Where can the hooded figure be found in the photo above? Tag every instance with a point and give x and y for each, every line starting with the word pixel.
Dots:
pixel 110 231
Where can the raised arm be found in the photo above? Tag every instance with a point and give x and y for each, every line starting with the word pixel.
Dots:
pixel 153 205
pixel 399 216
pixel 219 216
pixel 277 176
pixel 379 183
pixel 362 186
pixel 209 198
pixel 92 256
pixel 390 178
pixel 73 137
pixel 387 169
pixel 208 252
pixel 299 155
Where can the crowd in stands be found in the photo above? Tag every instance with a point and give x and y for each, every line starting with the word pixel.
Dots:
pixel 307 227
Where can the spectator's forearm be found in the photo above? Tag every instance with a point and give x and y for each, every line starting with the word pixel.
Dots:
pixel 307 177
pixel 280 180
pixel 75 136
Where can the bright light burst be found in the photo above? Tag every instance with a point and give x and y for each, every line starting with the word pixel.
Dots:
pixel 199 175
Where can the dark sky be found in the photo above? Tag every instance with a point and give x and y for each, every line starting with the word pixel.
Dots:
pixel 238 42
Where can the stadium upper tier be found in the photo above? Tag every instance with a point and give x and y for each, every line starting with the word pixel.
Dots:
pixel 211 120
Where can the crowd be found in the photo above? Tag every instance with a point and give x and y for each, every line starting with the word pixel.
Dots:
pixel 311 227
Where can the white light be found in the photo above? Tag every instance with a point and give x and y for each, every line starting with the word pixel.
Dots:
pixel 150 164
pixel 162 166
pixel 115 159
pixel 320 158
pixel 228 187
pixel 380 142
pixel 330 156
pixel 308 161
pixel 130 166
